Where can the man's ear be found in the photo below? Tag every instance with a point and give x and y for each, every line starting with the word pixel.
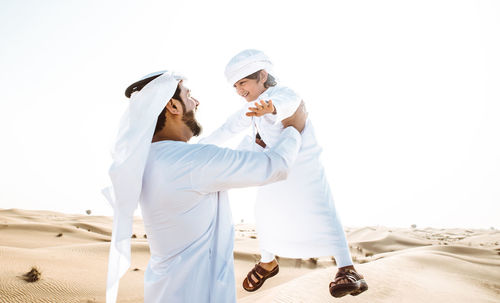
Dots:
pixel 173 107
pixel 263 75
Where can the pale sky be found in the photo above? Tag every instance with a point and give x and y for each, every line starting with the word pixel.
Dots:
pixel 404 96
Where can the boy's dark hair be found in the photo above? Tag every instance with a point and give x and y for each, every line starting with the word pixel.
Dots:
pixel 271 81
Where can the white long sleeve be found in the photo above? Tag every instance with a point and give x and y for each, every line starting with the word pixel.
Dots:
pixel 235 124
pixel 218 169
pixel 284 100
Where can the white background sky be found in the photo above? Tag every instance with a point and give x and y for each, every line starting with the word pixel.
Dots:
pixel 404 96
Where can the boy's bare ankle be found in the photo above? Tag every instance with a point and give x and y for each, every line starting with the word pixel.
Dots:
pixel 269 265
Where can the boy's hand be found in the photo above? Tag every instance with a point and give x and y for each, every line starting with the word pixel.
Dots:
pixel 262 108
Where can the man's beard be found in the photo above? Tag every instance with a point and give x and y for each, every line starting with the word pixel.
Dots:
pixel 191 122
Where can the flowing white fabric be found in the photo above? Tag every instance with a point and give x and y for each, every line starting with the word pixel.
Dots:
pixel 246 63
pixel 295 218
pixel 188 219
pixel 129 159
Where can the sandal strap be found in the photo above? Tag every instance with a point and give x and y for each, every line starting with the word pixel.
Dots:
pixel 259 269
pixel 253 274
pixel 350 275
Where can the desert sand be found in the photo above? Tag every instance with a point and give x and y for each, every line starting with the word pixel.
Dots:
pixel 399 264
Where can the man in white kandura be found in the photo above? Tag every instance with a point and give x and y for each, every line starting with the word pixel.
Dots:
pixel 295 218
pixel 182 192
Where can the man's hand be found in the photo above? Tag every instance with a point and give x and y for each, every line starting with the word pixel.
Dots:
pixel 262 108
pixel 298 119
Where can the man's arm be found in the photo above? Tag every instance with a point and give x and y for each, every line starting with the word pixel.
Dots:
pixel 235 124
pixel 219 169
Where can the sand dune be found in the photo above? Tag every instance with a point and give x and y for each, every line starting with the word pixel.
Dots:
pixel 422 275
pixel 400 265
pixel 376 241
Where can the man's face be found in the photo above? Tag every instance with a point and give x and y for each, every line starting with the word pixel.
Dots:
pixel 190 107
pixel 250 89
pixel 190 103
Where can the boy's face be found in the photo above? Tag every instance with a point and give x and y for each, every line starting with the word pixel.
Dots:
pixel 250 89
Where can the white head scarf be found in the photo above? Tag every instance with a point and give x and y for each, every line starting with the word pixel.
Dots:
pixel 129 159
pixel 246 63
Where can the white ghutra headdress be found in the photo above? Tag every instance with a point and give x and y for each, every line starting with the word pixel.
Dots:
pixel 148 97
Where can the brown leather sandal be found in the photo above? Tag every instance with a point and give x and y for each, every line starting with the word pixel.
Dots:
pixel 255 272
pixel 354 287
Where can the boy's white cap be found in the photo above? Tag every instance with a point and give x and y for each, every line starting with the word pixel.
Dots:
pixel 246 63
